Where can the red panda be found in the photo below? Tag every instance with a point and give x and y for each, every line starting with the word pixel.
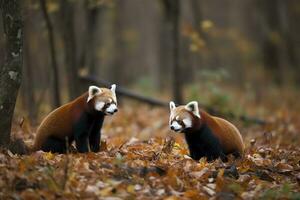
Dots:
pixel 80 121
pixel 206 135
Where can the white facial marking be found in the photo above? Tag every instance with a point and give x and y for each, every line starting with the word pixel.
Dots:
pixel 111 109
pixel 176 125
pixel 99 105
pixel 187 122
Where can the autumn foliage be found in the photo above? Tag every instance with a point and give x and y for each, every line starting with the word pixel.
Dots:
pixel 142 159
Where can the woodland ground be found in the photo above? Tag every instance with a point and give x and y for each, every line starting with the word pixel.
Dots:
pixel 142 159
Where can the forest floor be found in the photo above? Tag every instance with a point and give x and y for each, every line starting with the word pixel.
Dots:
pixel 142 159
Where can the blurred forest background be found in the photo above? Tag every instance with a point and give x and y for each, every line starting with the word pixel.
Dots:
pixel 239 58
pixel 250 47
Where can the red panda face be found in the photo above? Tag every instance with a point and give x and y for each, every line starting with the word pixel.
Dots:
pixel 104 99
pixel 182 117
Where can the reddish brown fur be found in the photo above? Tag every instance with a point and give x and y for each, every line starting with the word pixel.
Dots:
pixel 59 123
pixel 228 135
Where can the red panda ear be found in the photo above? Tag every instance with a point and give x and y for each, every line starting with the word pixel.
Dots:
pixel 172 105
pixel 193 107
pixel 113 89
pixel 93 90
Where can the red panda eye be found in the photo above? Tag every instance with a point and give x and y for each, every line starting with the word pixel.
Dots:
pixel 108 104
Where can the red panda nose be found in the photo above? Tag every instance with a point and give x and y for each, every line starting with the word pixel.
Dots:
pixel 172 128
pixel 116 110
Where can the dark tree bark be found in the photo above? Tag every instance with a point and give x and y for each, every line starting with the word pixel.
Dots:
pixel 287 50
pixel 214 57
pixel 275 41
pixel 172 13
pixel 177 78
pixel 70 49
pixel 88 57
pixel 195 5
pixel 11 71
pixel 165 45
pixel 51 38
pixel 269 48
pixel 118 71
pixel 28 82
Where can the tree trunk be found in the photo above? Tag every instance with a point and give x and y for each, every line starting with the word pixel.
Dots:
pixel 287 50
pixel 165 46
pixel 177 78
pixel 67 16
pixel 11 71
pixel 119 72
pixel 56 81
pixel 214 57
pixel 172 9
pixel 271 47
pixel 88 58
pixel 28 82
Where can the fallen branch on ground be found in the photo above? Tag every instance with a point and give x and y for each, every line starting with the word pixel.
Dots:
pixel 156 102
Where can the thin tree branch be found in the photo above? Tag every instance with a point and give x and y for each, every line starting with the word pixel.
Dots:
pixel 123 91
pixel 52 52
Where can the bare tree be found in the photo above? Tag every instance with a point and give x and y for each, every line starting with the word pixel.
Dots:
pixel 278 56
pixel 172 12
pixel 118 70
pixel 70 48
pixel 198 18
pixel 52 52
pixel 165 44
pixel 88 57
pixel 287 53
pixel 28 83
pixel 11 71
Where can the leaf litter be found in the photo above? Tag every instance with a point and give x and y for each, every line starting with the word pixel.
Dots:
pixel 141 161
